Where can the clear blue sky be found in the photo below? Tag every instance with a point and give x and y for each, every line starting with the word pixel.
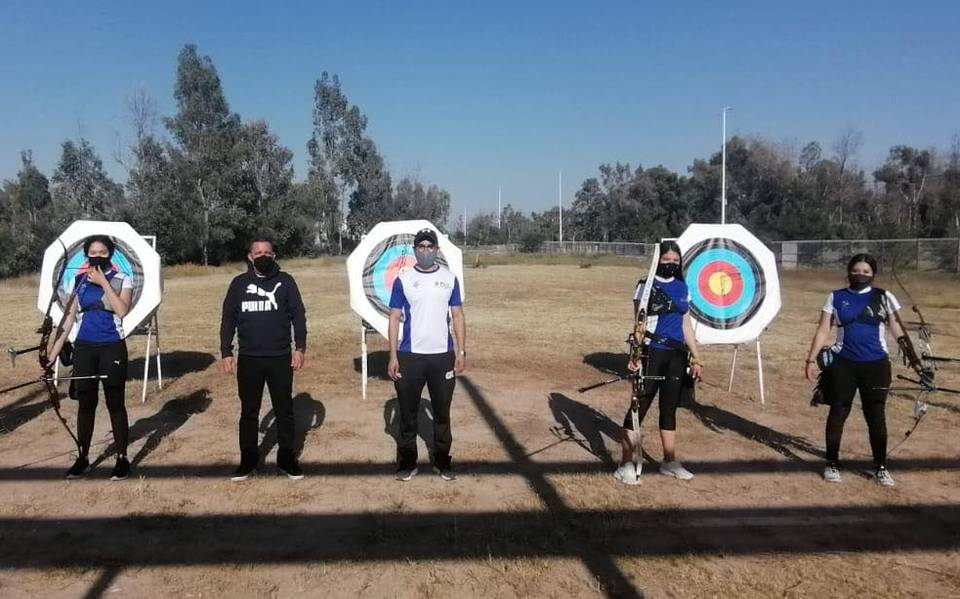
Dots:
pixel 474 95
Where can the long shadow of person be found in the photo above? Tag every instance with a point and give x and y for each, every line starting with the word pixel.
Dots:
pixel 175 364
pixel 391 421
pixel 308 414
pixel 156 428
pixel 718 420
pixel 573 416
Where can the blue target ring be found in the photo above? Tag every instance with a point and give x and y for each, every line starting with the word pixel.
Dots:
pixel 381 269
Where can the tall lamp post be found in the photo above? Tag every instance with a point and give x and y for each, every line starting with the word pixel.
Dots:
pixel 723 168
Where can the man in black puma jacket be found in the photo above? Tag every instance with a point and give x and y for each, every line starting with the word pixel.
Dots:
pixel 261 305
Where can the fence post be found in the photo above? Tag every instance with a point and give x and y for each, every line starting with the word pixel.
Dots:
pixel 918 254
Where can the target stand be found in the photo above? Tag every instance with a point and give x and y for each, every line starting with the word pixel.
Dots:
pixel 733 368
pixel 151 329
pixel 365 329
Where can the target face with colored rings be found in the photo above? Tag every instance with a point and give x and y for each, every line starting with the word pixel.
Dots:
pixel 733 283
pixel 726 284
pixel 382 254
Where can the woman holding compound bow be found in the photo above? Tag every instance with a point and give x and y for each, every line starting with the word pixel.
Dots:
pixel 858 360
pixel 668 336
pixel 99 300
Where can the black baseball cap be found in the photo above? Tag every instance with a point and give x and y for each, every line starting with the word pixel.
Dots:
pixel 425 235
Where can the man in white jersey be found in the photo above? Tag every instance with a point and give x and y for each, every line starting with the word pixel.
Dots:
pixel 424 298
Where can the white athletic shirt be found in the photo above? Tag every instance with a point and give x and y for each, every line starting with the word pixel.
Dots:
pixel 425 298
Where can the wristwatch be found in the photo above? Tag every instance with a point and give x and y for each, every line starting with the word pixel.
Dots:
pixel 463 353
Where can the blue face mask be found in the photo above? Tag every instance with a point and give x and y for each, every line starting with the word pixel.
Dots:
pixel 426 260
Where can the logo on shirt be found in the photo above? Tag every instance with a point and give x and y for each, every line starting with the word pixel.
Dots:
pixel 267 305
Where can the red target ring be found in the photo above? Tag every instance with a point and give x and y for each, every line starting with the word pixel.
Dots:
pixel 720 283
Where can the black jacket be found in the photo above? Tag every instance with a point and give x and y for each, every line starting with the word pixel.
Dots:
pixel 261 310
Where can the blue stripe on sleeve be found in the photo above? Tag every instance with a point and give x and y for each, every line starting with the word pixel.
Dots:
pixel 397 297
pixel 455 296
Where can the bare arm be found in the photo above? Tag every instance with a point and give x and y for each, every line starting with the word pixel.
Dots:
pixel 393 330
pixel 66 324
pixel 460 334
pixel 690 338
pixel 819 340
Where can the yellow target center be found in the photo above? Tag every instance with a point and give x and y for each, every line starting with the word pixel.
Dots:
pixel 720 283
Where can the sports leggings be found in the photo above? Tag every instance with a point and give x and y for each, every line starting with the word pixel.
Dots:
pixel 101 358
pixel 669 363
pixel 845 379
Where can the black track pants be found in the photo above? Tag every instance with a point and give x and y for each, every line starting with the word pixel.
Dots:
pixel 252 373
pixel 91 359
pixel 846 378
pixel 436 372
pixel 669 363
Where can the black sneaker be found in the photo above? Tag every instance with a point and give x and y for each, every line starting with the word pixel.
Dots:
pixel 291 468
pixel 404 474
pixel 243 471
pixel 446 473
pixel 79 468
pixel 122 470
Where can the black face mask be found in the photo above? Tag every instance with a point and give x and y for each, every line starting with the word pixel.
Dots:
pixel 263 264
pixel 668 270
pixel 100 262
pixel 859 282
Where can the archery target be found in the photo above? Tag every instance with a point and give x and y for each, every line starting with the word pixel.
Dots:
pixel 733 284
pixel 383 253
pixel 132 256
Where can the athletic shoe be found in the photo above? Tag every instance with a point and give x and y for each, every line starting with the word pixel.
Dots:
pixel 291 468
pixel 406 474
pixel 884 478
pixel 627 474
pixel 676 470
pixel 79 468
pixel 445 473
pixel 122 470
pixel 243 472
pixel 831 473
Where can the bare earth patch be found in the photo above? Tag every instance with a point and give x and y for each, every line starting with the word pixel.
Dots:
pixel 535 511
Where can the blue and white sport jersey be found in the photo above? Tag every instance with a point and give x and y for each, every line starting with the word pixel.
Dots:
pixel 425 299
pixel 96 322
pixel 669 301
pixel 860 338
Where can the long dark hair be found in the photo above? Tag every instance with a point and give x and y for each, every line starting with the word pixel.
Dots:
pixel 863 257
pixel 671 246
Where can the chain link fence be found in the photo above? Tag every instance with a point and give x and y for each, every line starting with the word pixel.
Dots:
pixel 939 254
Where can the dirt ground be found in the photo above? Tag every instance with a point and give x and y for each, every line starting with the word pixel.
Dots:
pixel 534 512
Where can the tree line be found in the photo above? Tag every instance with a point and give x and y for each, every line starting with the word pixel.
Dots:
pixel 777 191
pixel 205 181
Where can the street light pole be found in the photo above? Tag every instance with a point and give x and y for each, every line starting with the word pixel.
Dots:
pixel 723 168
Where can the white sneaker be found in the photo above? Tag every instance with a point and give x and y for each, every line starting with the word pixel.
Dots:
pixel 831 473
pixel 884 478
pixel 627 474
pixel 676 470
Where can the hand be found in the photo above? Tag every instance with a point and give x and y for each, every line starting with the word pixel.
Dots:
pixel 459 363
pixel 228 364
pixel 633 365
pixel 96 277
pixel 810 371
pixel 297 359
pixel 695 369
pixel 393 368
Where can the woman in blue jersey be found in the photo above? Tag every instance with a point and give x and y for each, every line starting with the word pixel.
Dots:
pixel 670 338
pixel 860 361
pixel 99 300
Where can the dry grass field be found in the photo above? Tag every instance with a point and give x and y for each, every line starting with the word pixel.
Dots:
pixel 534 512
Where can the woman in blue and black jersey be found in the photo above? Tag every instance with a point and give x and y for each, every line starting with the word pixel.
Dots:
pixel 99 299
pixel 858 360
pixel 670 337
